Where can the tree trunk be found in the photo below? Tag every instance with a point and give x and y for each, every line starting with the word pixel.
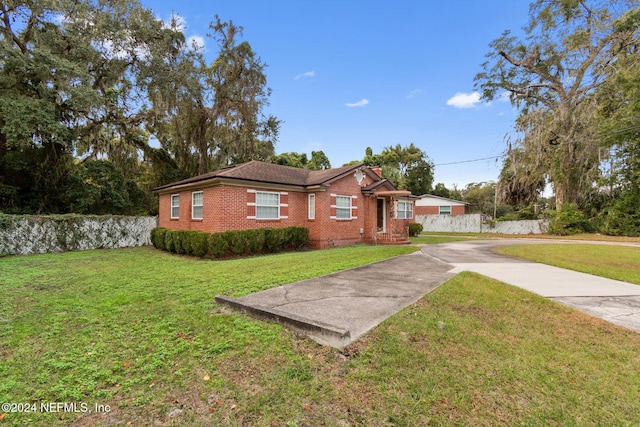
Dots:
pixel 559 193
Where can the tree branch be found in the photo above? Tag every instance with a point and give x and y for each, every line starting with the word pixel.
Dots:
pixel 529 64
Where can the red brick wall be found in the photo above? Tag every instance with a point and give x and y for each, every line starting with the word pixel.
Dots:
pixel 435 210
pixel 228 207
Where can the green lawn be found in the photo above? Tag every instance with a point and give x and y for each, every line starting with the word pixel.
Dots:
pixel 432 240
pixel 614 262
pixel 137 329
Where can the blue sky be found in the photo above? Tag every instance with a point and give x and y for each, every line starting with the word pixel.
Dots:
pixel 350 74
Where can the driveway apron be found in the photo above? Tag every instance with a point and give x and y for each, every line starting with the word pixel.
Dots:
pixel 612 300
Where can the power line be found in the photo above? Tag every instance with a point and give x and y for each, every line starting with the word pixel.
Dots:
pixel 615 132
pixel 469 161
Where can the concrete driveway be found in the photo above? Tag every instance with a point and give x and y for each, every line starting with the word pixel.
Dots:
pixel 612 300
pixel 338 308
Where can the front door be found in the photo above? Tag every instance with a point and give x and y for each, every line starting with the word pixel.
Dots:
pixel 380 215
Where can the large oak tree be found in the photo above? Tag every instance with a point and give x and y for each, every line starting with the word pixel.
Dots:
pixel 551 73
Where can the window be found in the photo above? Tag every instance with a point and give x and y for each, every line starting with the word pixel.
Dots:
pixel 196 205
pixel 343 207
pixel 175 205
pixel 267 205
pixel 445 210
pixel 405 210
pixel 312 206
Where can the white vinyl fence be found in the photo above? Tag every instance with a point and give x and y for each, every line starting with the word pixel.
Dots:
pixel 473 223
pixel 34 234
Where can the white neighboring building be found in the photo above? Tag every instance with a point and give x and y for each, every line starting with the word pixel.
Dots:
pixel 428 204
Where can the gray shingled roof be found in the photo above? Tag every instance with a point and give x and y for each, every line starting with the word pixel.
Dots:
pixel 267 173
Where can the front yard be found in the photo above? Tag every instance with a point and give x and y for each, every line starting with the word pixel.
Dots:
pixel 136 331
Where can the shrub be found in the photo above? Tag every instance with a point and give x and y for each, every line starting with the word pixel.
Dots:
pixel 415 229
pixel 157 237
pixel 179 240
pixel 623 217
pixel 275 239
pixel 237 242
pixel 168 241
pixel 254 240
pixel 569 221
pixel 298 237
pixel 198 244
pixel 218 244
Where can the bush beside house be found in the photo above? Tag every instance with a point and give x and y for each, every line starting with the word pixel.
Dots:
pixel 415 229
pixel 240 242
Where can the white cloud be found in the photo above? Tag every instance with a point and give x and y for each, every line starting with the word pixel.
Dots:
pixel 464 100
pixel 305 75
pixel 361 103
pixel 195 42
pixel 414 93
pixel 175 22
pixel 125 50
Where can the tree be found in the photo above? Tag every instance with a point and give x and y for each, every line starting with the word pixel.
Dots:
pixel 519 183
pixel 620 131
pixel 242 132
pixel 569 50
pixel 319 160
pixel 296 160
pixel 409 168
pixel 208 116
pixel 99 80
pixel 97 187
pixel 481 195
pixel 419 178
pixel 68 86
pixel 441 190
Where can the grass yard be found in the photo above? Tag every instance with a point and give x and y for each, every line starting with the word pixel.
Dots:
pixel 613 262
pixel 432 240
pixel 137 329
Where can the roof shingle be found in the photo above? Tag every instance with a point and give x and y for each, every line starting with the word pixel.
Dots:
pixel 267 173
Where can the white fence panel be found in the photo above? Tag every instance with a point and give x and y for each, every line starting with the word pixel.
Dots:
pixel 25 235
pixel 472 223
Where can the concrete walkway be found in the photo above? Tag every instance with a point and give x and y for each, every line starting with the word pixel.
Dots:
pixel 338 308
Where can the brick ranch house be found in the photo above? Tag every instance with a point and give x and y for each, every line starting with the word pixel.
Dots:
pixel 428 204
pixel 351 204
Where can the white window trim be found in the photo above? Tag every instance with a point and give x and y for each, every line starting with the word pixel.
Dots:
pixel 311 206
pixel 444 213
pixel 193 205
pixel 279 206
pixel 177 196
pixel 351 208
pixel 406 203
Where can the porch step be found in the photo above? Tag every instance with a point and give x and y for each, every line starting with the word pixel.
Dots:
pixel 391 239
pixel 394 242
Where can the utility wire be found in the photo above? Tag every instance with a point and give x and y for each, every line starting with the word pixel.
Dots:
pixel 469 161
pixel 503 155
